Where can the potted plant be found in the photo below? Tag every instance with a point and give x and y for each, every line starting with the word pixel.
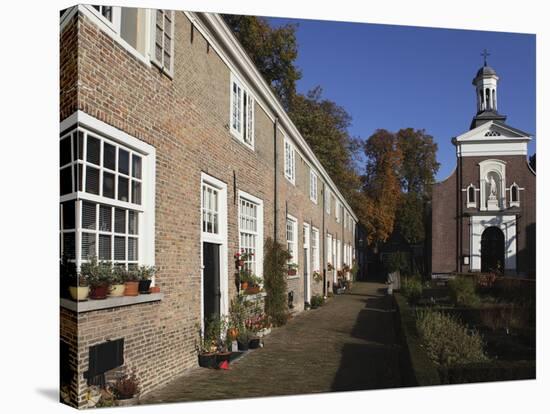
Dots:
pixel 243 339
pixel 206 348
pixel 330 267
pixel 98 276
pixel 145 275
pixel 72 284
pixel 118 280
pixel 131 283
pixel 292 267
pixel 126 390
pixel 244 278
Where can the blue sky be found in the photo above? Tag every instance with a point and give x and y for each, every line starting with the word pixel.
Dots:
pixel 395 77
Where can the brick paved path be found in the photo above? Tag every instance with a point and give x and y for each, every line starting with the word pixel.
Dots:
pixel 348 344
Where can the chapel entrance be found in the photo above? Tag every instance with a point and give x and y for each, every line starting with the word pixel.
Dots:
pixel 492 250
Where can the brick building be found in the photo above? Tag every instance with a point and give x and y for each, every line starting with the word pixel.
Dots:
pixel 483 214
pixel 175 152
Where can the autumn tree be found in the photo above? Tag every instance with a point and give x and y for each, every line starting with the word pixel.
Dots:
pixel 382 184
pixel 416 172
pixel 272 49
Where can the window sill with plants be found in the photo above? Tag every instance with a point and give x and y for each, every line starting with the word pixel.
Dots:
pixel 102 285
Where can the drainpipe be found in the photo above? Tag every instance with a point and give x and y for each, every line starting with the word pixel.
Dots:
pixel 275 181
pixel 323 235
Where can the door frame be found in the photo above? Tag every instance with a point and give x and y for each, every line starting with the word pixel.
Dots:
pixel 307 260
pixel 220 238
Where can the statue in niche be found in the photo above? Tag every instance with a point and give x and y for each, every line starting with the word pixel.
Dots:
pixel 493 189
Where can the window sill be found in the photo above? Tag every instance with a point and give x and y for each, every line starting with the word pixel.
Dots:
pixel 293 277
pixel 93 305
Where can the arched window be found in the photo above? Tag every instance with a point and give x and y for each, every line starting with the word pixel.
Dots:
pixel 487 98
pixel 471 196
pixel 481 105
pixel 514 195
pixel 494 102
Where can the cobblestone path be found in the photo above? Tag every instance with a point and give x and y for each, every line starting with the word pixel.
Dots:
pixel 348 344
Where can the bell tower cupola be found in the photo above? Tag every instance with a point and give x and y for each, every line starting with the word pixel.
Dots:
pixel 486 82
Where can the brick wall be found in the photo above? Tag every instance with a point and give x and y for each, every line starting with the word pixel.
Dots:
pixel 186 119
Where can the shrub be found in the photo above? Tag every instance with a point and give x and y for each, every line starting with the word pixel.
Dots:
pixel 276 259
pixel 447 341
pixel 316 301
pixel 463 291
pixel 411 288
pixel 484 372
pixel 397 262
pixel 126 387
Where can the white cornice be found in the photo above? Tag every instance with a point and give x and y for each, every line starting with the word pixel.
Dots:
pixel 213 27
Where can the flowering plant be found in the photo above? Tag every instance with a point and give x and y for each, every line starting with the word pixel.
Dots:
pixel 317 276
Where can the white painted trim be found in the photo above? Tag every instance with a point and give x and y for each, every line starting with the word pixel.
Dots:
pixel 506 223
pixel 146 246
pixel 220 239
pixel 239 136
pixel 288 144
pixel 219 36
pixel 260 228
pixel 294 220
pixel 307 260
pixel 152 27
pixel 313 178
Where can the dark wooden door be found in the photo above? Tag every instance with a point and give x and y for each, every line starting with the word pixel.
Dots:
pixel 211 282
pixel 492 250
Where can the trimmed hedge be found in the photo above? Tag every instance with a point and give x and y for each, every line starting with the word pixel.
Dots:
pixel 488 371
pixel 416 367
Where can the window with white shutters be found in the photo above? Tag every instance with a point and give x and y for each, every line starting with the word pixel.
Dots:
pixel 242 113
pixel 163 43
pixel 102 183
pixel 290 166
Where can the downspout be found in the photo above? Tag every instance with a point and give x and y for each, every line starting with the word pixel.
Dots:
pixel 325 289
pixel 275 205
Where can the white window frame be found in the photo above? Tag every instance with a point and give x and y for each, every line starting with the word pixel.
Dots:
pixel 295 253
pixel 218 238
pixel 339 254
pixel 237 104
pixel 290 161
pixel 146 221
pixel 152 47
pixel 315 250
pixel 313 186
pixel 337 212
pixel 328 196
pixel 259 233
pixel 517 202
pixel 471 203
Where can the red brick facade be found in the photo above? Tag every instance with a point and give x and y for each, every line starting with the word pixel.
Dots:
pixel 186 119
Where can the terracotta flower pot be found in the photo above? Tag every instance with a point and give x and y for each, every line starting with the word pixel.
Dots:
pixel 99 292
pixel 79 293
pixel 232 333
pixel 154 289
pixel 244 285
pixel 291 272
pixel 117 290
pixel 131 288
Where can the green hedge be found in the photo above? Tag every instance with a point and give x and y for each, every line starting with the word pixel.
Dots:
pixel 416 367
pixel 488 371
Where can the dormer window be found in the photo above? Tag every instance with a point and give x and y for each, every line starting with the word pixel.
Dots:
pixel 514 195
pixel 471 196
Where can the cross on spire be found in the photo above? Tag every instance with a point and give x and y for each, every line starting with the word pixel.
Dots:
pixel 485 54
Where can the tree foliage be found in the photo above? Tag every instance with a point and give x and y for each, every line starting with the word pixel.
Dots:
pixel 381 184
pixel 272 49
pixel 419 164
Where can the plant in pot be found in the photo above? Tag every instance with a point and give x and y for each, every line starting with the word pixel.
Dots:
pixel 99 277
pixel 73 284
pixel 292 268
pixel 254 285
pixel 118 280
pixel 145 275
pixel 243 339
pixel 244 278
pixel 126 390
pixel 206 346
pixel 131 283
